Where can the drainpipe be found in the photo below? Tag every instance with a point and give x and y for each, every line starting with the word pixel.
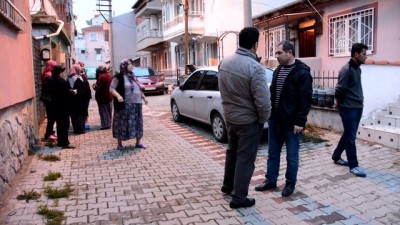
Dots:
pixel 53 34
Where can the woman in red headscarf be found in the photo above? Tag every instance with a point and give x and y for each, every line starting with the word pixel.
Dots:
pixel 45 78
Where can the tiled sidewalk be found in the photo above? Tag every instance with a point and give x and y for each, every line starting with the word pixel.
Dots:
pixel 177 180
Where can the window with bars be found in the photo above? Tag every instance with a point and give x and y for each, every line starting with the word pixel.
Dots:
pixel 274 36
pixel 345 30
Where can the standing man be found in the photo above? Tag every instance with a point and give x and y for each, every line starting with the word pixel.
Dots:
pixel 246 104
pixel 291 98
pixel 349 101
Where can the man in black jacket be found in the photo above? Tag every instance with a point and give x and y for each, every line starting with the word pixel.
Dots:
pixel 350 103
pixel 291 98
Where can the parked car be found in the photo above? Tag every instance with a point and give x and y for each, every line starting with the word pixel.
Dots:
pixel 198 98
pixel 150 81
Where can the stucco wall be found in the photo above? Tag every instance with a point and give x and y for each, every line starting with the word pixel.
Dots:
pixel 17 137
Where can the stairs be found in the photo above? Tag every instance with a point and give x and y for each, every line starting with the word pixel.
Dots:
pixel 384 129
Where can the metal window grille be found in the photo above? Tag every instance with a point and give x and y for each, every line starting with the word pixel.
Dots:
pixel 345 30
pixel 275 35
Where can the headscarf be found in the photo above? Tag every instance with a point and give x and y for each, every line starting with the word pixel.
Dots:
pixel 47 70
pixel 74 74
pixel 123 67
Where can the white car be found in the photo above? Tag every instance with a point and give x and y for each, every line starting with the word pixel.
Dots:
pixel 198 98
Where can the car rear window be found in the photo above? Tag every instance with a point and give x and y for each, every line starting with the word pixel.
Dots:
pixel 143 72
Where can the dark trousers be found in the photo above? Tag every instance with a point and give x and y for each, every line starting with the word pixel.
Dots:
pixel 51 120
pixel 350 119
pixel 240 157
pixel 78 123
pixel 62 121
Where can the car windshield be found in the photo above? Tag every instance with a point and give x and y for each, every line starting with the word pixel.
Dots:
pixel 143 72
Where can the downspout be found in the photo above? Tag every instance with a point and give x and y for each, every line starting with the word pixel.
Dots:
pixel 53 34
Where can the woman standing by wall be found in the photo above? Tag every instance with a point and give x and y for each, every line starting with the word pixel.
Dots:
pixel 128 118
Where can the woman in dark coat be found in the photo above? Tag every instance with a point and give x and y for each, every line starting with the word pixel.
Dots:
pixel 60 94
pixel 77 102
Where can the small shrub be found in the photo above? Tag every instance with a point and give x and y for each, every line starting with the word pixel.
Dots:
pixel 52 216
pixel 51 158
pixel 51 192
pixel 30 195
pixel 52 176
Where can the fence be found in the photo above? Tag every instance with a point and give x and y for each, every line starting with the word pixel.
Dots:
pixel 324 79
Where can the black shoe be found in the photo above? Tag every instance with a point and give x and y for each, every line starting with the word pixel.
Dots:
pixel 68 147
pixel 266 185
pixel 247 203
pixel 226 190
pixel 341 162
pixel 288 190
pixel 105 128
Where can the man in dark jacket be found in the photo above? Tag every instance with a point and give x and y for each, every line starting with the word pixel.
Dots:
pixel 291 98
pixel 349 101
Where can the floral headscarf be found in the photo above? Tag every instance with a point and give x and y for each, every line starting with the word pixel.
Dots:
pixel 123 67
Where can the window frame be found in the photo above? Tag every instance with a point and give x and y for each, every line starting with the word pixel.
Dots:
pixel 271 42
pixel 361 18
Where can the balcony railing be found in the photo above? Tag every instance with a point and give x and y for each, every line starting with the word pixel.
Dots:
pixel 181 19
pixel 10 14
pixel 149 33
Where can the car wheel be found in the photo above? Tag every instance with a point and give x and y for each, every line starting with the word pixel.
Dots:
pixel 219 128
pixel 176 115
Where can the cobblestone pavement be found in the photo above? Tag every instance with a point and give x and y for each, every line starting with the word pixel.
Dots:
pixel 177 180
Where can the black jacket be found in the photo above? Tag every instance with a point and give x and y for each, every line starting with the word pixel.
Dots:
pixel 121 91
pixel 296 96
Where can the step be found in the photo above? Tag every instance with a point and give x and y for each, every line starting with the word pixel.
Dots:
pixel 381 134
pixel 388 120
pixel 394 110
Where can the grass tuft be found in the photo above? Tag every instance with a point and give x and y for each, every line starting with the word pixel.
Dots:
pixel 30 195
pixel 50 157
pixel 52 216
pixel 51 192
pixel 52 176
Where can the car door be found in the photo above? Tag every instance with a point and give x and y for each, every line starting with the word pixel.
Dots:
pixel 189 89
pixel 206 94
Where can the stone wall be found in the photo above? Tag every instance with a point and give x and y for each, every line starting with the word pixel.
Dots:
pixel 16 138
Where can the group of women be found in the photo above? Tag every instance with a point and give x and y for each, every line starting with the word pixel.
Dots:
pixel 64 98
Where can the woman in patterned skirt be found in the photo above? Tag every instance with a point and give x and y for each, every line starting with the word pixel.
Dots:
pixel 128 96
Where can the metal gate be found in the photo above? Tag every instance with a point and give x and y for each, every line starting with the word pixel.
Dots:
pixel 37 70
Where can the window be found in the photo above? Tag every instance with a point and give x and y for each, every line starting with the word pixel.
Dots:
pixel 83 51
pixel 351 28
pixel 191 82
pixel 206 82
pixel 275 35
pixel 93 37
pixel 98 54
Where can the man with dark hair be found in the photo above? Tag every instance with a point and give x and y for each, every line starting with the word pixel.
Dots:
pixel 291 98
pixel 349 101
pixel 246 104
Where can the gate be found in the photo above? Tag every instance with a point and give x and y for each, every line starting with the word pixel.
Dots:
pixel 37 70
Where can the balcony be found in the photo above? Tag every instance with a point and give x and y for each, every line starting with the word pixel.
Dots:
pixel 174 29
pixel 10 14
pixel 147 39
pixel 145 8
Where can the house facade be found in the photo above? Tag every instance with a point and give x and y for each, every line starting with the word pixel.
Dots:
pixel 211 34
pixel 30 34
pixel 323 32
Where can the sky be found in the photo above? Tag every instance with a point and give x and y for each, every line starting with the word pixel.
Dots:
pixel 86 9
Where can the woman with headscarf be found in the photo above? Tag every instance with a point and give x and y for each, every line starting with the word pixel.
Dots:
pixel 103 96
pixel 77 103
pixel 60 93
pixel 128 96
pixel 45 78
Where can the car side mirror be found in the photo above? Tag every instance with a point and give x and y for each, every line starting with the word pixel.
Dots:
pixel 182 87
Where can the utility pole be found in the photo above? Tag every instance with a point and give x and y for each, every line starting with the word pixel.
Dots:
pixel 186 10
pixel 248 20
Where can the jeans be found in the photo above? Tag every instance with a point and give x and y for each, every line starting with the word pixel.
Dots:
pixel 350 119
pixel 240 157
pixel 277 136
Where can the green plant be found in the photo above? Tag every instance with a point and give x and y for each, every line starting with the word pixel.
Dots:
pixel 51 192
pixel 30 195
pixel 52 176
pixel 50 157
pixel 52 216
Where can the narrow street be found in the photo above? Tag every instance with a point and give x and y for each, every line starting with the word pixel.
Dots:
pixel 177 180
